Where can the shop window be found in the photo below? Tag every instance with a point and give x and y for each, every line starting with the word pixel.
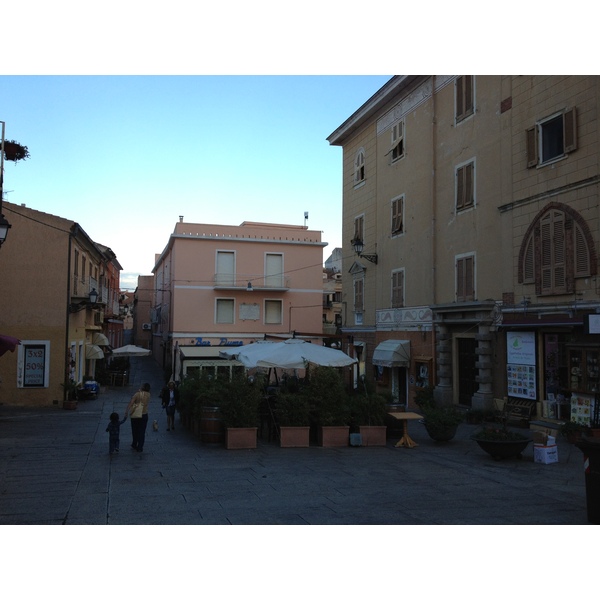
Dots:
pixel 584 368
pixel 422 373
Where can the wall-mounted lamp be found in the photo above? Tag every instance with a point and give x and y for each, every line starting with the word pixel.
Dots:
pixel 359 246
pixel 93 296
pixel 4 227
pixel 249 287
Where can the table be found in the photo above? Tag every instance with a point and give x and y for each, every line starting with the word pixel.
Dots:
pixel 405 417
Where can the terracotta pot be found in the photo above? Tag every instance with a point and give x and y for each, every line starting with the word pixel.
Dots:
pixel 70 404
pixel 238 438
pixel 373 435
pixel 333 436
pixel 294 437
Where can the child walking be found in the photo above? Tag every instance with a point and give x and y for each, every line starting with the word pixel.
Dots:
pixel 113 432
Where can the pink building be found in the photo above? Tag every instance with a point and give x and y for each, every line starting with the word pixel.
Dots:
pixel 225 285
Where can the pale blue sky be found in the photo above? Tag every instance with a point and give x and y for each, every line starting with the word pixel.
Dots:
pixel 124 156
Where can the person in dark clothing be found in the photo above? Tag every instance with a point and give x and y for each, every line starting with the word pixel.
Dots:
pixel 169 396
pixel 113 429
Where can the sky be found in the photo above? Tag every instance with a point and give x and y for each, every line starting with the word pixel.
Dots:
pixel 125 156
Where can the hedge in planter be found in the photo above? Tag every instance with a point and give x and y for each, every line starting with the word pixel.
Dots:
pixel 240 404
pixel 293 418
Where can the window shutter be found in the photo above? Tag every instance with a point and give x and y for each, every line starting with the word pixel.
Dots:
pixel 582 254
pixel 546 255
pixel 460 109
pixel 460 293
pixel 358 295
pixel 570 130
pixel 460 188
pixel 528 262
pixel 468 85
pixel 532 152
pixel 398 289
pixel 397 216
pixel 558 242
pixel 468 185
pixel 469 283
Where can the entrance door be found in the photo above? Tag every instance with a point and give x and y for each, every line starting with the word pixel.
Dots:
pixel 399 385
pixel 467 371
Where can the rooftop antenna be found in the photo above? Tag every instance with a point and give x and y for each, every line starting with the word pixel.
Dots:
pixel 305 217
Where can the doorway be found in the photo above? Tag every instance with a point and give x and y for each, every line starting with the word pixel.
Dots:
pixel 467 371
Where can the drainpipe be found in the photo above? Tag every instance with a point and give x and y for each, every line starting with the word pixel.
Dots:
pixel 433 220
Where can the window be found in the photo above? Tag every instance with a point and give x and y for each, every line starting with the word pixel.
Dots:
pixel 358 295
pixel 359 167
pixel 465 98
pixel 397 148
pixel 552 138
pixel 359 228
pixel 83 261
pixel 465 186
pixel 273 312
pixel 465 278
pixel 398 215
pixel 225 311
pixel 398 289
pixel 225 268
pixel 274 271
pixel 556 249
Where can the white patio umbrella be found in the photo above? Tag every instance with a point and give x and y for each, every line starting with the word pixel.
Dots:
pixel 131 350
pixel 244 354
pixel 292 354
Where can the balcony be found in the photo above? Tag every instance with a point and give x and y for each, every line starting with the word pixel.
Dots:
pixel 240 281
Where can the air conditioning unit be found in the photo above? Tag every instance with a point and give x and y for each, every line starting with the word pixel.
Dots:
pixel 147 326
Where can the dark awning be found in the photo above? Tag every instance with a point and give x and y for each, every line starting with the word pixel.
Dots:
pixel 392 353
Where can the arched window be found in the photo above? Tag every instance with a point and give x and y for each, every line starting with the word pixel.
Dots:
pixel 556 249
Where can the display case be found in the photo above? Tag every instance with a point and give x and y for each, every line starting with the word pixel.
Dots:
pixel 584 370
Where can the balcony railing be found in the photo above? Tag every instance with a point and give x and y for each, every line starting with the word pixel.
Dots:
pixel 238 281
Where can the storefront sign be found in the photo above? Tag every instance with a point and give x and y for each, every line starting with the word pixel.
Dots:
pixel 220 342
pixel 592 323
pixel 35 366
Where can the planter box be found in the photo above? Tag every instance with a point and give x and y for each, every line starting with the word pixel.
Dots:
pixel 334 436
pixel 373 435
pixel 294 437
pixel 237 438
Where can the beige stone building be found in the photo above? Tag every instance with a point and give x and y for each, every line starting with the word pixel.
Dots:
pixel 220 285
pixel 475 201
pixel 58 290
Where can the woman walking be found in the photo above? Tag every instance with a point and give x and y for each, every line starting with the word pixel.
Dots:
pixel 137 409
pixel 169 396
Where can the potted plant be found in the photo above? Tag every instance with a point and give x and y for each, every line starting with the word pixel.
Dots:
pixel 293 416
pixel 368 415
pixel 330 412
pixel 70 394
pixel 441 422
pixel 14 151
pixel 573 431
pixel 499 441
pixel 240 411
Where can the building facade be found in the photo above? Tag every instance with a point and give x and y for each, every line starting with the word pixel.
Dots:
pixel 220 285
pixel 54 298
pixel 472 205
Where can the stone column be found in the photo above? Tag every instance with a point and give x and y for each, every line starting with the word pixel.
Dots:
pixel 442 392
pixel 483 399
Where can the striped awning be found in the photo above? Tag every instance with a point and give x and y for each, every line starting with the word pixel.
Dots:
pixel 392 353
pixel 99 339
pixel 93 352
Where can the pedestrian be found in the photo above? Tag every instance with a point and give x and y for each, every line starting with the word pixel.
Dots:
pixel 137 409
pixel 113 429
pixel 170 396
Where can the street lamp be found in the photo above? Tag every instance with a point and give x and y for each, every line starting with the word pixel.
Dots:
pixel 93 296
pixel 359 246
pixel 4 227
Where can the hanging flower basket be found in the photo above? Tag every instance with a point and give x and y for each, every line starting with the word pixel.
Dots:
pixel 14 151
